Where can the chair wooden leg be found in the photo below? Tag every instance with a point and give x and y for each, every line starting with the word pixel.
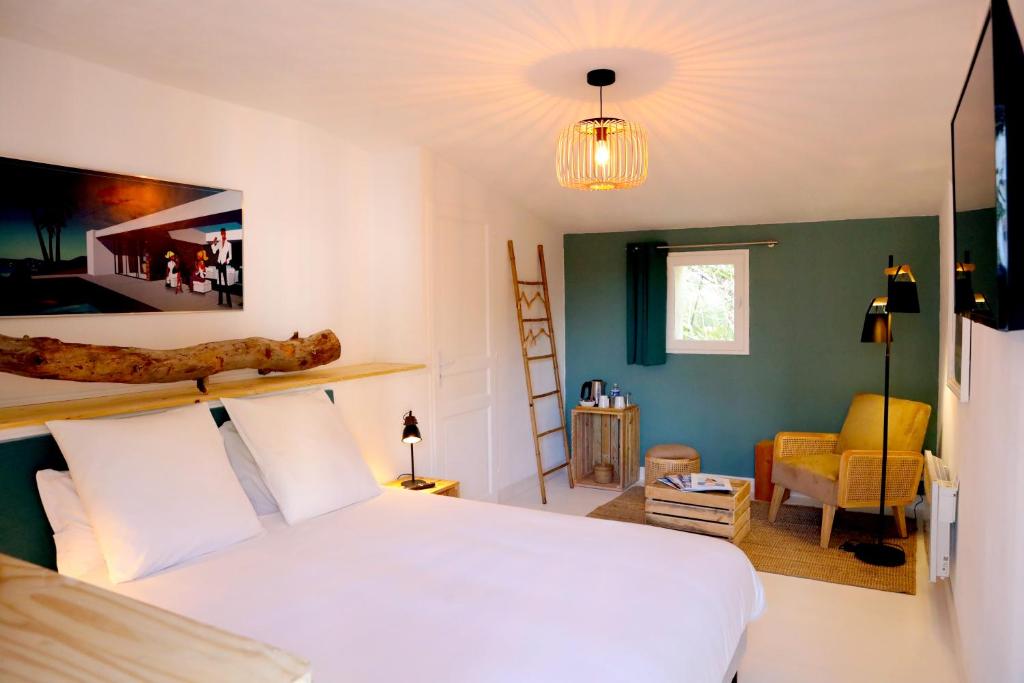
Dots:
pixel 777 497
pixel 901 520
pixel 828 514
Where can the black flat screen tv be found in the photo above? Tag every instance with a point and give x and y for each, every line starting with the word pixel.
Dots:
pixel 988 186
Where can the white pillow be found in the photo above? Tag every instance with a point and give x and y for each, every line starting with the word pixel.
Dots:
pixel 247 471
pixel 158 489
pixel 78 552
pixel 307 456
pixel 77 549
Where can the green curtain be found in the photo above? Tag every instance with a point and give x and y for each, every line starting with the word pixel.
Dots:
pixel 646 284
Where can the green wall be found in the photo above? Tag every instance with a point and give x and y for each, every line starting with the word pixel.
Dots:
pixel 808 296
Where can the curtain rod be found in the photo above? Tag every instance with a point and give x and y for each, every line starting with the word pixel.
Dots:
pixel 761 243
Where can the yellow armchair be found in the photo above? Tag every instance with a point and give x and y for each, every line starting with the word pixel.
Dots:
pixel 844 470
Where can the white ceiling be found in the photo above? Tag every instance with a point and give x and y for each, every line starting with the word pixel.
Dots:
pixel 757 111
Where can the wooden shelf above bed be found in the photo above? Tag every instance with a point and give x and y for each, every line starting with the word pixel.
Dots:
pixel 183 394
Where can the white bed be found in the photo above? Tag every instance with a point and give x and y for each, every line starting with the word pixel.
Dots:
pixel 409 586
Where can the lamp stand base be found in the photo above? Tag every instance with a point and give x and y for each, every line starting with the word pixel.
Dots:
pixel 880 554
pixel 417 484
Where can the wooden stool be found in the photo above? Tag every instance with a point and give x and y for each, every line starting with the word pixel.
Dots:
pixel 764 457
pixel 669 458
pixel 764 454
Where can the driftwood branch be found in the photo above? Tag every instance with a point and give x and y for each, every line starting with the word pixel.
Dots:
pixel 47 358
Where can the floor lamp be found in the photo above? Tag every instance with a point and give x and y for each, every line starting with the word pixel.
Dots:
pixel 901 297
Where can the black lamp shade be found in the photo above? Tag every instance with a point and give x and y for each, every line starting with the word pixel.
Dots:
pixel 963 288
pixel 411 434
pixel 411 431
pixel 902 294
pixel 876 323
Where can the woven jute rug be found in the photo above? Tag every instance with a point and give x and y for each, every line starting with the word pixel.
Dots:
pixel 790 546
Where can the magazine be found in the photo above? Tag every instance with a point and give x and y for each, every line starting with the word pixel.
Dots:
pixel 697 482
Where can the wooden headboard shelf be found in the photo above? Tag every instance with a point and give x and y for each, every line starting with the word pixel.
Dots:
pixel 184 394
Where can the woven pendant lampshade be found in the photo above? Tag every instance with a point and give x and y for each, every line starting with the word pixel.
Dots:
pixel 602 153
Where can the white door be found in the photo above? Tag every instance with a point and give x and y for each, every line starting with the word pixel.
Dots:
pixel 464 377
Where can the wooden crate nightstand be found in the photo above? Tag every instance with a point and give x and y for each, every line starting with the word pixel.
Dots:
pixel 606 435
pixel 444 487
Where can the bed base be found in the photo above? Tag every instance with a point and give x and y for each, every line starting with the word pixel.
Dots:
pixel 732 673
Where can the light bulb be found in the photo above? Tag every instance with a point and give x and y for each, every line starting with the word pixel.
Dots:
pixel 602 153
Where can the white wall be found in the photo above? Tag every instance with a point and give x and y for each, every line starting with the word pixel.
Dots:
pixel 317 231
pixel 336 236
pixel 983 442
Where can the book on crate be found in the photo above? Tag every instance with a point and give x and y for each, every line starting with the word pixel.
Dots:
pixel 697 483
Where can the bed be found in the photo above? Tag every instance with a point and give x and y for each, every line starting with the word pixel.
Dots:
pixel 409 586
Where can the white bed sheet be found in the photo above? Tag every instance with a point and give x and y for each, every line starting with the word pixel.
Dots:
pixel 408 586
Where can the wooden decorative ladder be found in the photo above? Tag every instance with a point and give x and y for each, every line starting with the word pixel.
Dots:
pixel 531 329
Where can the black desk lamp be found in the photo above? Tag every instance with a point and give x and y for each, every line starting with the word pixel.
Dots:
pixel 411 436
pixel 902 298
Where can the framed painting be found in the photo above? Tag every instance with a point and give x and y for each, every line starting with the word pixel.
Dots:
pixel 74 241
pixel 958 378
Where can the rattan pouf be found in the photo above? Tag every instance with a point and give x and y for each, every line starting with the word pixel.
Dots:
pixel 670 458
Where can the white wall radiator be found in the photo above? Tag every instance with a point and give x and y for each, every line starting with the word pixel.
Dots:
pixel 941 492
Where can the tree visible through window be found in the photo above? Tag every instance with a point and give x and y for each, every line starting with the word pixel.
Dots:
pixel 707 302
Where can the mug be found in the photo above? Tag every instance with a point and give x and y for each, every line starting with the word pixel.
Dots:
pixel 620 402
pixel 602 402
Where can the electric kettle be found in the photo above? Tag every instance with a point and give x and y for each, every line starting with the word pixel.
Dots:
pixel 592 390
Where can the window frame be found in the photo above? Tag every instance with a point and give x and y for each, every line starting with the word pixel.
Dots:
pixel 740 260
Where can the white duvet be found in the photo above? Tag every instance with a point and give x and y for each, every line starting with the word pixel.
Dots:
pixel 428 588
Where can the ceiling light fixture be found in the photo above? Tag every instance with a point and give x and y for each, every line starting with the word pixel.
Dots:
pixel 602 153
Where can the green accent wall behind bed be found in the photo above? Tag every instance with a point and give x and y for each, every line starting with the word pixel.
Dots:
pixel 807 302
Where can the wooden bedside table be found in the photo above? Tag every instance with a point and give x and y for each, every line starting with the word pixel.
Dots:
pixel 445 487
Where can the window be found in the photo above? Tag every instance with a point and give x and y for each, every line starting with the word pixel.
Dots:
pixel 707 302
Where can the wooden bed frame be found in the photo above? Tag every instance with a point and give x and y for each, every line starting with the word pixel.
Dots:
pixel 52 632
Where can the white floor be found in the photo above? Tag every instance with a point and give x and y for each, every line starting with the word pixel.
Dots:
pixel 813 631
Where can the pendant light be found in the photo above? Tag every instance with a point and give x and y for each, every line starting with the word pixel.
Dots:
pixel 602 153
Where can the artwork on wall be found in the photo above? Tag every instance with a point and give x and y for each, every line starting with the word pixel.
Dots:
pixel 959 376
pixel 74 241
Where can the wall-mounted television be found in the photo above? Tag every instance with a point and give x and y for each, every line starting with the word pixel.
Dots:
pixel 988 189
